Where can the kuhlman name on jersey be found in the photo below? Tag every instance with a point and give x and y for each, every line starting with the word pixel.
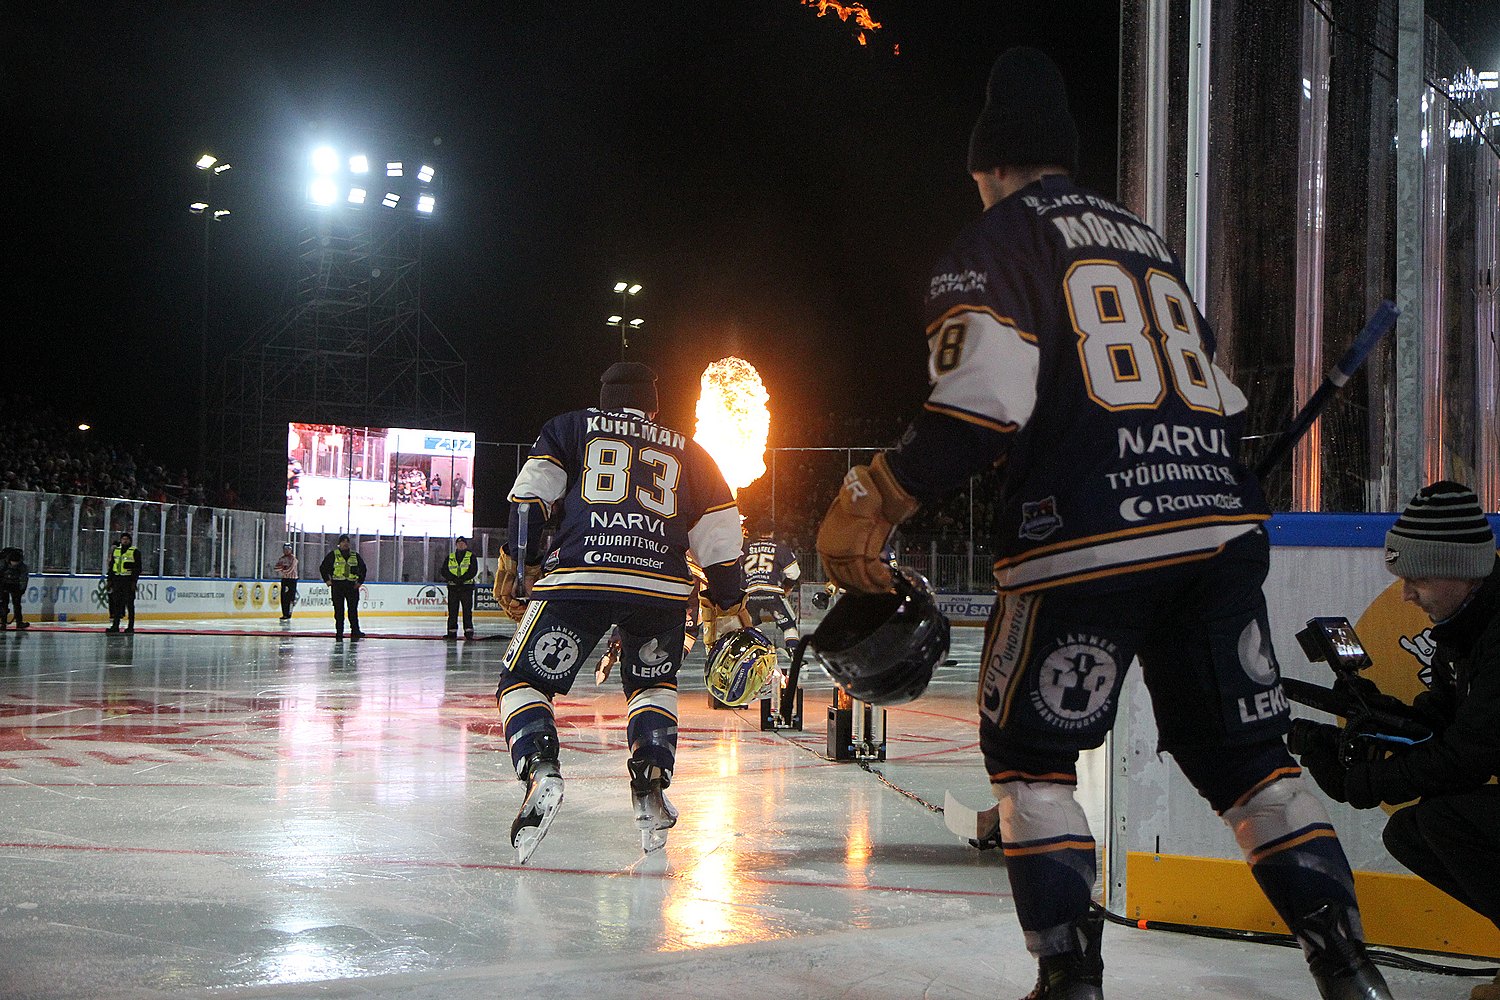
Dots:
pixel 606 424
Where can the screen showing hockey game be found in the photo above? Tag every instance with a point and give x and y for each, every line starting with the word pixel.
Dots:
pixel 379 480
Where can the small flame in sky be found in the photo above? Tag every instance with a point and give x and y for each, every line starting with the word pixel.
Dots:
pixel 734 420
pixel 863 22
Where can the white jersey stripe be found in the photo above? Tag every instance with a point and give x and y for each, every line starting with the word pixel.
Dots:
pixel 1060 567
pixel 662 586
pixel 989 369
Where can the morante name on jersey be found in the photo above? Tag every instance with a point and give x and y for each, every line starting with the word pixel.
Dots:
pixel 635 428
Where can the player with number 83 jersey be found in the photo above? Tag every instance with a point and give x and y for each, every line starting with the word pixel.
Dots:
pixel 630 497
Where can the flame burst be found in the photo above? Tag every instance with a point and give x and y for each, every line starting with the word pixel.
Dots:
pixel 863 22
pixel 733 420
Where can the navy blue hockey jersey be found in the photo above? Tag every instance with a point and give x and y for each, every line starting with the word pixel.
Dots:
pixel 635 497
pixel 768 564
pixel 1065 348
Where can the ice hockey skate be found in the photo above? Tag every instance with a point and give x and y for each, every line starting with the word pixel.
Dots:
pixel 544 795
pixel 654 815
pixel 1074 975
pixel 1337 958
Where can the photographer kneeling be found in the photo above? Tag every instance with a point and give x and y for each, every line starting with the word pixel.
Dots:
pixel 1443 549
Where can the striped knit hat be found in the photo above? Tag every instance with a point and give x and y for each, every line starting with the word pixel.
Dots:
pixel 1441 533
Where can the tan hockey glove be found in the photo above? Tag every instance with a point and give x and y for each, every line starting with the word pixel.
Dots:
pixel 859 523
pixel 513 604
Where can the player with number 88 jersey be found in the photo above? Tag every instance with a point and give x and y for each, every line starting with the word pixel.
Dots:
pixel 632 498
pixel 1065 350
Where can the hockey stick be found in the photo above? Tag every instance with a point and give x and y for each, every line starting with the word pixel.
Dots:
pixel 980 827
pixel 789 690
pixel 523 511
pixel 1379 325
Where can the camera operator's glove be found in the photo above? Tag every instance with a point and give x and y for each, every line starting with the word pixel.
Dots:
pixel 513 604
pixel 1359 786
pixel 1372 696
pixel 1321 760
pixel 858 524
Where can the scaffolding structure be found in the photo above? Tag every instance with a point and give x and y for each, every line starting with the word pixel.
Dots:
pixel 354 348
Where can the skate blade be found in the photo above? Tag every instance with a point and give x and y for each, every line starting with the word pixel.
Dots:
pixel 548 799
pixel 654 826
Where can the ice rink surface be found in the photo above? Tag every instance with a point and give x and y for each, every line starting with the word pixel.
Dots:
pixel 278 815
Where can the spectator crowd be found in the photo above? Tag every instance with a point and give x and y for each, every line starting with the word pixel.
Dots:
pixel 42 452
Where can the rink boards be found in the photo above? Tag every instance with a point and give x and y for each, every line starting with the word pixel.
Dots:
pixel 1174 860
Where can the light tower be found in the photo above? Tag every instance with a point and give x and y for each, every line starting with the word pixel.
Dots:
pixel 625 289
pixel 211 166
pixel 355 347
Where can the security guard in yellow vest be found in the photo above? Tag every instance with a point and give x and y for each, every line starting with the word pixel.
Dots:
pixel 344 571
pixel 121 574
pixel 459 572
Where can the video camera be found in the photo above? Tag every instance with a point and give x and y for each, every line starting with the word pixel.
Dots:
pixel 1374 723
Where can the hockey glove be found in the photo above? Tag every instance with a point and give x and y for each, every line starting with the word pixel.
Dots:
pixel 859 523
pixel 513 604
pixel 1321 760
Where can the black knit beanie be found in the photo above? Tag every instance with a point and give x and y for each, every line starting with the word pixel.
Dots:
pixel 1442 533
pixel 628 384
pixel 1025 121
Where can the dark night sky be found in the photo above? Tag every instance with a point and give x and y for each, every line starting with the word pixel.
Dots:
pixel 779 190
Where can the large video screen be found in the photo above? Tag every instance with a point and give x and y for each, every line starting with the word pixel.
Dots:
pixel 379 480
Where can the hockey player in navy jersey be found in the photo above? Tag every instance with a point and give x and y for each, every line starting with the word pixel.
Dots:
pixel 770 570
pixel 1066 350
pixel 635 497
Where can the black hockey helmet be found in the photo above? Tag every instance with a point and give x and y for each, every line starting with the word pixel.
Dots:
pixel 883 648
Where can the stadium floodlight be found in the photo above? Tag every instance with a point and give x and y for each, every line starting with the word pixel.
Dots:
pixel 207 160
pixel 634 289
pixel 357 196
pixel 425 174
pixel 323 191
pixel 325 160
pixel 197 207
pixel 393 168
pixel 220 213
pixel 614 319
pixel 424 204
pixel 359 163
pixel 619 287
pixel 391 199
pixel 637 323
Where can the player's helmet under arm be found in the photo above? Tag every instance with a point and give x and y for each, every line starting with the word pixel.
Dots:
pixel 883 648
pixel 739 666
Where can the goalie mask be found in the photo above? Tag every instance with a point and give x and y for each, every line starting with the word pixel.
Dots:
pixel 739 666
pixel 883 648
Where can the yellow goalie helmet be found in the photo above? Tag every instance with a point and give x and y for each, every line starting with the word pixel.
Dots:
pixel 739 666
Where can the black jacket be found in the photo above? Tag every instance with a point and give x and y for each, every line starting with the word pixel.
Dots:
pixel 467 576
pixel 14 576
pixel 1463 706
pixel 326 569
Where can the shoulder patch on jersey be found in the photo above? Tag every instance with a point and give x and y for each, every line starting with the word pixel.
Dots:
pixel 1039 519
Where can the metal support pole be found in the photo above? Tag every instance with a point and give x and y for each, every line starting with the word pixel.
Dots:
pixel 1409 433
